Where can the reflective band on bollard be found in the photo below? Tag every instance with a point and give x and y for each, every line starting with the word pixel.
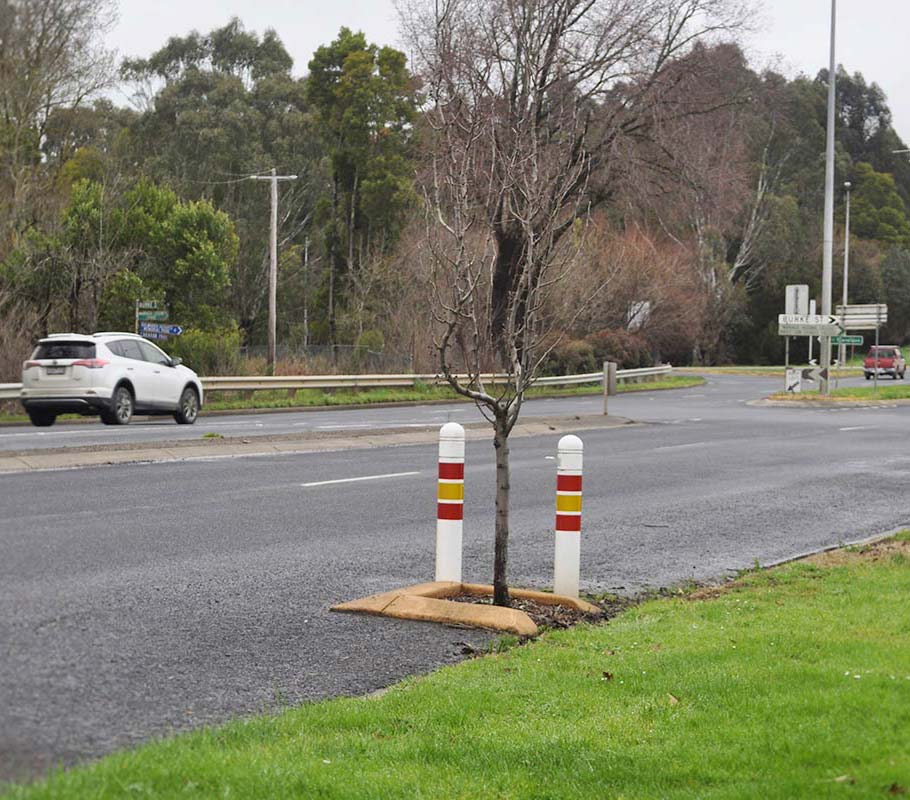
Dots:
pixel 450 502
pixel 567 560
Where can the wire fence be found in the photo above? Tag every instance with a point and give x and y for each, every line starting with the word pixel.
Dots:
pixel 342 358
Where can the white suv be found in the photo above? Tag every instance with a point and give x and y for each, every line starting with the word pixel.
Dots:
pixel 111 374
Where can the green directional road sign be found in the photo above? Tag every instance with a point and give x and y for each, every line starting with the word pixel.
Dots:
pixel 846 340
pixel 153 316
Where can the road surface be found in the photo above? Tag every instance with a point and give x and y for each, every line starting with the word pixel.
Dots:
pixel 141 599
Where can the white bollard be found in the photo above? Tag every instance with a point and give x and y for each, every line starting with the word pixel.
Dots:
pixel 450 502
pixel 567 560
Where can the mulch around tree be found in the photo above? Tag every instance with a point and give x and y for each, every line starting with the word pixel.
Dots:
pixel 550 616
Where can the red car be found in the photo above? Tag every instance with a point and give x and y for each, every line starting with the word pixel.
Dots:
pixel 887 359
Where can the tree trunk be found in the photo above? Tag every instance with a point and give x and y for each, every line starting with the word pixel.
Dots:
pixel 505 271
pixel 501 552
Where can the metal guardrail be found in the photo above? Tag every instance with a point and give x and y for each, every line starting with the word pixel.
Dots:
pixel 622 375
pixel 255 383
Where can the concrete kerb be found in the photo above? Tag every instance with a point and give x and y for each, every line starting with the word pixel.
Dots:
pixel 428 602
pixel 309 442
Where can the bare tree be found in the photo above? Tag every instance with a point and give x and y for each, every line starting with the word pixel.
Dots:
pixel 531 104
pixel 49 59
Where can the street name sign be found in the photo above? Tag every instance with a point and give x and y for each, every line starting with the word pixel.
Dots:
pixel 153 335
pixel 846 340
pixel 149 305
pixel 808 325
pixel 154 327
pixel 157 316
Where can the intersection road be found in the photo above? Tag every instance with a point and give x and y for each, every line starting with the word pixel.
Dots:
pixel 142 599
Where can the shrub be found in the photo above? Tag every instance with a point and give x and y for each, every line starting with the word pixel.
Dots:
pixel 369 342
pixel 571 357
pixel 629 350
pixel 209 352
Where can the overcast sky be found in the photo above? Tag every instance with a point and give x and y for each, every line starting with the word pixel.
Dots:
pixel 873 35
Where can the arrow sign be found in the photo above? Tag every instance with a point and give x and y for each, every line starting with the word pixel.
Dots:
pixel 175 330
pixel 814 373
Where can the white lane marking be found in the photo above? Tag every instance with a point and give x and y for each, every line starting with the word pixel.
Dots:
pixel 375 425
pixel 856 428
pixel 364 478
pixel 682 446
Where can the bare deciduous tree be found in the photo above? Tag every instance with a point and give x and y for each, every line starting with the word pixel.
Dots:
pixel 531 104
pixel 49 59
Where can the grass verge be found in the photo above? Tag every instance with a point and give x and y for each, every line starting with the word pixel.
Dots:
pixel 886 391
pixel 316 398
pixel 848 372
pixel 793 682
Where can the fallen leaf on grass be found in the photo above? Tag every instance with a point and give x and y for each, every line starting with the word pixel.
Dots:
pixel 674 700
pixel 896 788
pixel 845 779
pixel 607 676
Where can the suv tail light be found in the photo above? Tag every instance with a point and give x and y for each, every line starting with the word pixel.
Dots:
pixel 28 364
pixel 91 363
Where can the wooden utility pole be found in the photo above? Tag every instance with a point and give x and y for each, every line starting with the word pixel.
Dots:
pixel 273 258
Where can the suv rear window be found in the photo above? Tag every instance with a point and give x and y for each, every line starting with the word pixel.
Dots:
pixel 64 350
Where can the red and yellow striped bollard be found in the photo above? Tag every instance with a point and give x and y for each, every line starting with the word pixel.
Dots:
pixel 450 502
pixel 567 559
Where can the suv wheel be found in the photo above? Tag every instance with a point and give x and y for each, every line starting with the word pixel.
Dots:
pixel 42 419
pixel 188 407
pixel 121 406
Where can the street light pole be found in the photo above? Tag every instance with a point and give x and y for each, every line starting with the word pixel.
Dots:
pixel 273 257
pixel 842 352
pixel 828 253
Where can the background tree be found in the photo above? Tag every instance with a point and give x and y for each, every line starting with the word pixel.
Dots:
pixel 364 100
pixel 217 108
pixel 50 61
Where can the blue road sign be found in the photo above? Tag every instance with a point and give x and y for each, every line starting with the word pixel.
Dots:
pixel 154 327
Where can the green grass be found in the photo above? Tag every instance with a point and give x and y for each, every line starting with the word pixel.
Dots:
pixel 851 371
pixel 306 398
pixel 793 683
pixel 887 390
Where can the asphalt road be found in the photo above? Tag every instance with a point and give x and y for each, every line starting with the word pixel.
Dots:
pixel 148 598
pixel 653 405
